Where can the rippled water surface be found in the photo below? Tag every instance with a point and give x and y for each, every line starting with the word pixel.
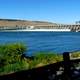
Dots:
pixel 58 42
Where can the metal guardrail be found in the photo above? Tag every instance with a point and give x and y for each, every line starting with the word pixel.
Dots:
pixel 64 70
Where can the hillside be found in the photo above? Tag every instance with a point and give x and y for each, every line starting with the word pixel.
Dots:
pixel 15 22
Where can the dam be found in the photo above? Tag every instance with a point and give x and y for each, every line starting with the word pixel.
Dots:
pixel 22 25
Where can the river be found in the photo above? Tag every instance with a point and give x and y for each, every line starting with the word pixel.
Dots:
pixel 57 42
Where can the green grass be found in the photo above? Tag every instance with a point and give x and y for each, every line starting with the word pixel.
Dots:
pixel 10 58
pixel 45 58
pixel 10 68
pixel 75 54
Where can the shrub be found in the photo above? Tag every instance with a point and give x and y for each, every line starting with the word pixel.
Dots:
pixel 11 53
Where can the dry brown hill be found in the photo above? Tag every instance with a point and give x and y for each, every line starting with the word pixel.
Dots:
pixel 15 22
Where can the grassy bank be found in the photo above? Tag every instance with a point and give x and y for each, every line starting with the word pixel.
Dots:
pixel 12 60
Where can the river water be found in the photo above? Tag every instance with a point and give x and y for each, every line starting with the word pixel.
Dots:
pixel 57 42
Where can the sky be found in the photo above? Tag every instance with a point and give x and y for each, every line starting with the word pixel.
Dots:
pixel 59 11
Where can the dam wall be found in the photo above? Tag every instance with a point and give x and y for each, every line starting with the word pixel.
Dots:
pixel 23 25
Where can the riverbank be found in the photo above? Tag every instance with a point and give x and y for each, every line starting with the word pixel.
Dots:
pixel 12 58
pixel 36 61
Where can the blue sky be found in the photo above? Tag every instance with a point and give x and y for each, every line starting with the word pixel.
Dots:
pixel 60 11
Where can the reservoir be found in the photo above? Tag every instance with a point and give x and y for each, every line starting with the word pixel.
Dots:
pixel 57 42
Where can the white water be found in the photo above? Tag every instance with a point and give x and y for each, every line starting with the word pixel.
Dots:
pixel 54 30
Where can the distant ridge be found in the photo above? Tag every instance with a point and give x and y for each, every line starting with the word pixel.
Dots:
pixel 11 20
pixel 17 22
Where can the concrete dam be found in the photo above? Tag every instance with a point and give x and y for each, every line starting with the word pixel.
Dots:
pixel 9 24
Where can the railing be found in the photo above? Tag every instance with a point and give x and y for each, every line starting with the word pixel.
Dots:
pixel 64 70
